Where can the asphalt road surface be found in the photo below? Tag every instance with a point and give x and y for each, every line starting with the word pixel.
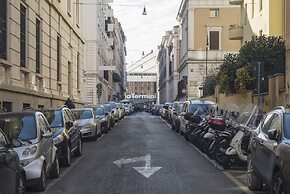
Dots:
pixel 163 161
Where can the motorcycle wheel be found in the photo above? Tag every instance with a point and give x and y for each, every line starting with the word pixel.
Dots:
pixel 220 156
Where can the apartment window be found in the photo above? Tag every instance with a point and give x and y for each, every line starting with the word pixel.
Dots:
pixel 261 5
pixel 37 50
pixel 7 106
pixel 69 7
pixel 40 106
pixel 213 13
pixel 106 75
pixel 26 105
pixel 22 36
pixel 214 40
pixel 58 63
pixel 3 29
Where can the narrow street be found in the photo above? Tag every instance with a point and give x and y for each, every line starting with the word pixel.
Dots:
pixel 183 169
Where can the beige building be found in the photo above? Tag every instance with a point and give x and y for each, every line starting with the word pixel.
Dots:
pixel 168 63
pixel 41 53
pixel 104 58
pixel 142 76
pixel 258 17
pixel 204 41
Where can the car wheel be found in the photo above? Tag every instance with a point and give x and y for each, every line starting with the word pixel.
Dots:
pixel 41 184
pixel 278 186
pixel 79 150
pixel 95 138
pixel 254 182
pixel 172 126
pixel 54 173
pixel 67 160
pixel 21 187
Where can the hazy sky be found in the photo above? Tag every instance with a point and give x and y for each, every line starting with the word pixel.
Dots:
pixel 144 33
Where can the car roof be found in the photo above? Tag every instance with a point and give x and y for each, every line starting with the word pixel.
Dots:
pixel 15 114
pixel 85 108
pixel 201 102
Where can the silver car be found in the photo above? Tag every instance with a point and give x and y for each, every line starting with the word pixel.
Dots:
pixel 121 110
pixel 32 139
pixel 89 124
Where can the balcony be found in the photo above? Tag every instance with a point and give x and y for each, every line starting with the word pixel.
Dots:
pixel 236 32
pixel 236 2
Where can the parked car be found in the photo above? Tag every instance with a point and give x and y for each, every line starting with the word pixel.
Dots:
pixel 193 106
pixel 165 111
pixel 32 140
pixel 111 115
pixel 121 110
pixel 89 124
pixel 176 110
pixel 66 133
pixel 127 108
pixel 101 113
pixel 115 110
pixel 12 174
pixel 269 148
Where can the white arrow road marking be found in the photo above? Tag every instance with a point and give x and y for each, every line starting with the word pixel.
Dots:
pixel 146 171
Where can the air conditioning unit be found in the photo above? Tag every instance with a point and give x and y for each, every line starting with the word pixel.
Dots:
pixel 109 13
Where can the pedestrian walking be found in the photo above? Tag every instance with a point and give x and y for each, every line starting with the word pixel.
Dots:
pixel 69 103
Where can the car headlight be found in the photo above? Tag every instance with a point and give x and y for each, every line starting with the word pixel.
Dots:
pixel 58 139
pixel 29 151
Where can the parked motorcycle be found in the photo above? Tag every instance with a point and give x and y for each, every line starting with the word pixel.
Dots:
pixel 235 150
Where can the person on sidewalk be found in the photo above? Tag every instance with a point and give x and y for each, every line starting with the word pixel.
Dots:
pixel 69 104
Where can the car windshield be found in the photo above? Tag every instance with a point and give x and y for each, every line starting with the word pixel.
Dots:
pixel 54 118
pixel 22 127
pixel 82 114
pixel 99 111
pixel 199 108
pixel 125 105
pixel 108 108
pixel 113 105
pixel 286 125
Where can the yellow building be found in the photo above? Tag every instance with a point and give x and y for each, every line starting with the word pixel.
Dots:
pixel 258 17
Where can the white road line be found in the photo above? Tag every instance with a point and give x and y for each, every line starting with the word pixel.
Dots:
pixel 54 181
pixel 165 122
pixel 203 154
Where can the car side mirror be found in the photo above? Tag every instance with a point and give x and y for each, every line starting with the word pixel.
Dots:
pixel 107 114
pixel 272 134
pixel 112 111
pixel 69 124
pixel 47 135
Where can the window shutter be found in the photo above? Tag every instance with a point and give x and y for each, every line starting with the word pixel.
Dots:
pixel 214 40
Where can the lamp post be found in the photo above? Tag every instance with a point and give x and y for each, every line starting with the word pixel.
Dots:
pixel 206 53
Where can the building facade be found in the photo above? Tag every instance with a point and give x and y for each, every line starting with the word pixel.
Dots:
pixel 258 17
pixel 204 41
pixel 142 76
pixel 104 53
pixel 41 53
pixel 168 63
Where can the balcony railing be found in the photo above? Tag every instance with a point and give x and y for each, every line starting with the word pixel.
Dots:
pixel 236 2
pixel 236 32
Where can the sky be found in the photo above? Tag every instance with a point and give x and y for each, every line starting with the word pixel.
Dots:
pixel 144 33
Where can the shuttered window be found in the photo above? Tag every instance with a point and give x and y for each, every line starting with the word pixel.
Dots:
pixel 22 36
pixel 37 50
pixel 3 28
pixel 214 38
